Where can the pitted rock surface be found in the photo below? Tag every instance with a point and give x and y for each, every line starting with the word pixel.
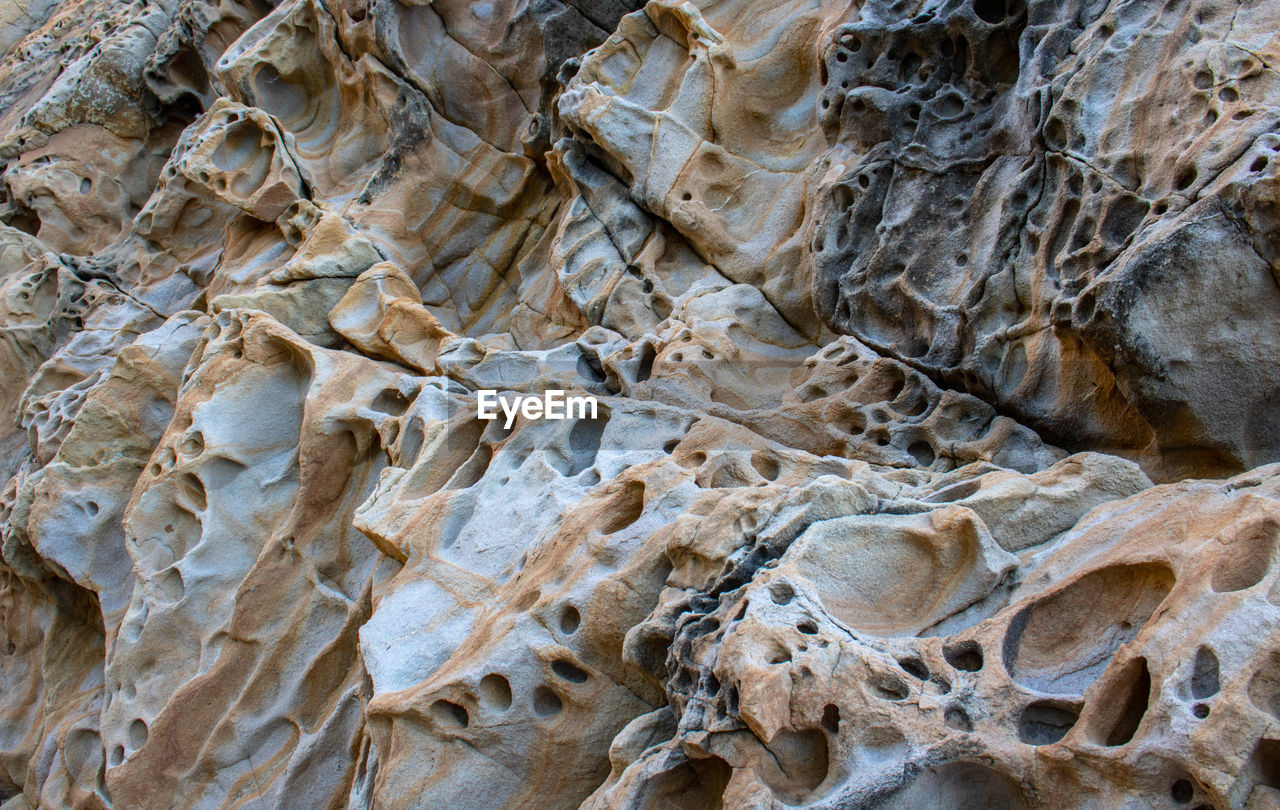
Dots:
pixel 937 453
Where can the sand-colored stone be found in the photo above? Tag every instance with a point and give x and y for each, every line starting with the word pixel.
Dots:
pixel 933 343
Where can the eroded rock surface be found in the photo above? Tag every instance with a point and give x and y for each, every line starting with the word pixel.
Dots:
pixel 935 458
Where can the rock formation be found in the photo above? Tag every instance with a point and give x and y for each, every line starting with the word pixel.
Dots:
pixel 934 344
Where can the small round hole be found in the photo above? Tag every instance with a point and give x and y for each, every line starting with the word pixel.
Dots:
pixel 569 671
pixel 570 620
pixel 546 703
pixel 966 656
pixel 1185 178
pixel 915 668
pixel 495 690
pixel 1182 791
pixel 449 714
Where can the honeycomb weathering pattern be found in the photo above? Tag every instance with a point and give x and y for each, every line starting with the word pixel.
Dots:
pixel 935 462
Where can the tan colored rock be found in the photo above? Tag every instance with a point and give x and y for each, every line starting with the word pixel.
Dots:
pixel 891 314
pixel 708 112
pixel 282 586
pixel 239 154
pixel 1111 671
pixel 382 314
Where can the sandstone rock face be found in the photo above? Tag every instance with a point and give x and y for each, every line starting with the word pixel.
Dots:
pixel 935 456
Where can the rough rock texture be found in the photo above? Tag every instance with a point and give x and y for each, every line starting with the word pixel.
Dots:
pixel 934 344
